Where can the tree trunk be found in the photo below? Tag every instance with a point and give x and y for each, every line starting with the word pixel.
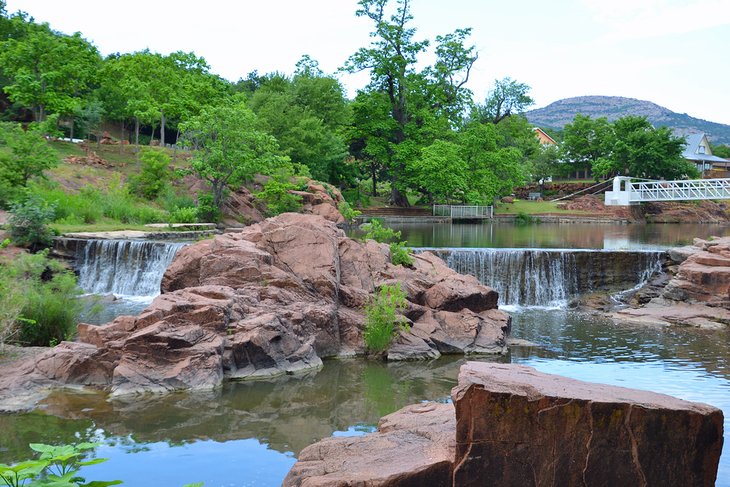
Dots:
pixel 121 141
pixel 41 113
pixel 162 128
pixel 397 198
pixel 375 180
pixel 136 131
pixel 71 134
pixel 174 152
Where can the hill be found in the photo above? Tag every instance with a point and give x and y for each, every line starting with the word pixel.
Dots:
pixel 561 112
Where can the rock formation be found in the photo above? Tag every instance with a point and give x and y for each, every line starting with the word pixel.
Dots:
pixel 513 426
pixel 697 294
pixel 272 299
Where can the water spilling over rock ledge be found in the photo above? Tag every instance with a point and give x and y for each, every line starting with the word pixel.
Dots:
pixel 275 298
pixel 510 425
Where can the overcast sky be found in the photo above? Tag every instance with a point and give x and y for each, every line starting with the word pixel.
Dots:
pixel 675 53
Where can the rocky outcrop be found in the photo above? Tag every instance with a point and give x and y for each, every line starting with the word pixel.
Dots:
pixel 696 294
pixel 413 446
pixel 275 298
pixel 515 426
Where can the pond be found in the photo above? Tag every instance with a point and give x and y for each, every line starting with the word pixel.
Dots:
pixel 249 434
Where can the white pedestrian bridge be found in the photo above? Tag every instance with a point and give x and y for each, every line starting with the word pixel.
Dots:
pixel 627 192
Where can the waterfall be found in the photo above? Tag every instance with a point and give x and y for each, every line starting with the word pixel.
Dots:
pixel 123 267
pixel 542 277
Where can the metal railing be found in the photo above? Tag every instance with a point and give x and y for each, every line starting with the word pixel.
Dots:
pixel 699 189
pixel 463 211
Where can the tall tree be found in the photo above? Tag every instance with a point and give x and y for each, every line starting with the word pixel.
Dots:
pixel 414 98
pixel 508 97
pixel 642 151
pixel 586 141
pixel 48 72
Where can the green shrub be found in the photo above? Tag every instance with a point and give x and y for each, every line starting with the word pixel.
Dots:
pixel 184 215
pixel 356 197
pixel 523 218
pixel 400 254
pixel 45 294
pixel 375 230
pixel 170 200
pixel 207 210
pixel 154 174
pixel 277 197
pixel 381 323
pixel 348 212
pixel 29 222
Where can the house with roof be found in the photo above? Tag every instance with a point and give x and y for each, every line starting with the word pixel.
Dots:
pixel 697 151
pixel 543 137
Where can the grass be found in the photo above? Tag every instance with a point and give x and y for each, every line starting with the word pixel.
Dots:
pixel 534 208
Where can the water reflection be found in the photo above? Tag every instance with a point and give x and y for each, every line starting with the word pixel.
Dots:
pixel 556 236
pixel 250 433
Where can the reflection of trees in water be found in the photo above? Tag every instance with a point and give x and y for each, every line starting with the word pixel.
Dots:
pixel 551 235
pixel 287 413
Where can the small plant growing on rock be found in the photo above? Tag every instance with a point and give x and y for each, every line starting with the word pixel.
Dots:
pixel 400 254
pixel 382 324
pixel 348 212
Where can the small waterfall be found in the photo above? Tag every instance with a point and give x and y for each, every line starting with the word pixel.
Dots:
pixel 123 267
pixel 548 277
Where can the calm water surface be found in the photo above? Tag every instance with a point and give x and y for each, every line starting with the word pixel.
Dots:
pixel 249 434
pixel 556 236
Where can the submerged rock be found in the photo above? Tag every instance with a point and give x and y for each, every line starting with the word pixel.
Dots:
pixel 513 426
pixel 274 298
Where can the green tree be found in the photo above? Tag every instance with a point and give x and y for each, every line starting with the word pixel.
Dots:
pixel 231 147
pixel 440 171
pixel 586 142
pixel 154 175
pixel 642 151
pixel 28 155
pixel 508 97
pixel 721 151
pixel 492 171
pixel 306 114
pixel 546 164
pixel 419 104
pixel 48 72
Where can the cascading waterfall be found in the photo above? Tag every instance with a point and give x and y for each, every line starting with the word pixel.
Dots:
pixel 123 267
pixel 542 277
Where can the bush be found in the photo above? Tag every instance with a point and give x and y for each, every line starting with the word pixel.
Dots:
pixel 381 322
pixel 277 197
pixel 524 219
pixel 153 176
pixel 355 197
pixel 184 215
pixel 46 296
pixel 399 251
pixel 348 212
pixel 375 230
pixel 207 210
pixel 29 222
pixel 400 254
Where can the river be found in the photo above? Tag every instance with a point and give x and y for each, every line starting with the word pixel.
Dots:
pixel 249 434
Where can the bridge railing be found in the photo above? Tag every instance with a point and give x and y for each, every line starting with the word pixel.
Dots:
pixel 700 189
pixel 463 211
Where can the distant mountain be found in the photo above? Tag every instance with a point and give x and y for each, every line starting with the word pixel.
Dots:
pixel 561 112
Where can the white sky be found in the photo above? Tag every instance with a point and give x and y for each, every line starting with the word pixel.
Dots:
pixel 675 53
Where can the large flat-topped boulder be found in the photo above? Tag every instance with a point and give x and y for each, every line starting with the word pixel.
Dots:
pixel 413 446
pixel 516 426
pixel 512 426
